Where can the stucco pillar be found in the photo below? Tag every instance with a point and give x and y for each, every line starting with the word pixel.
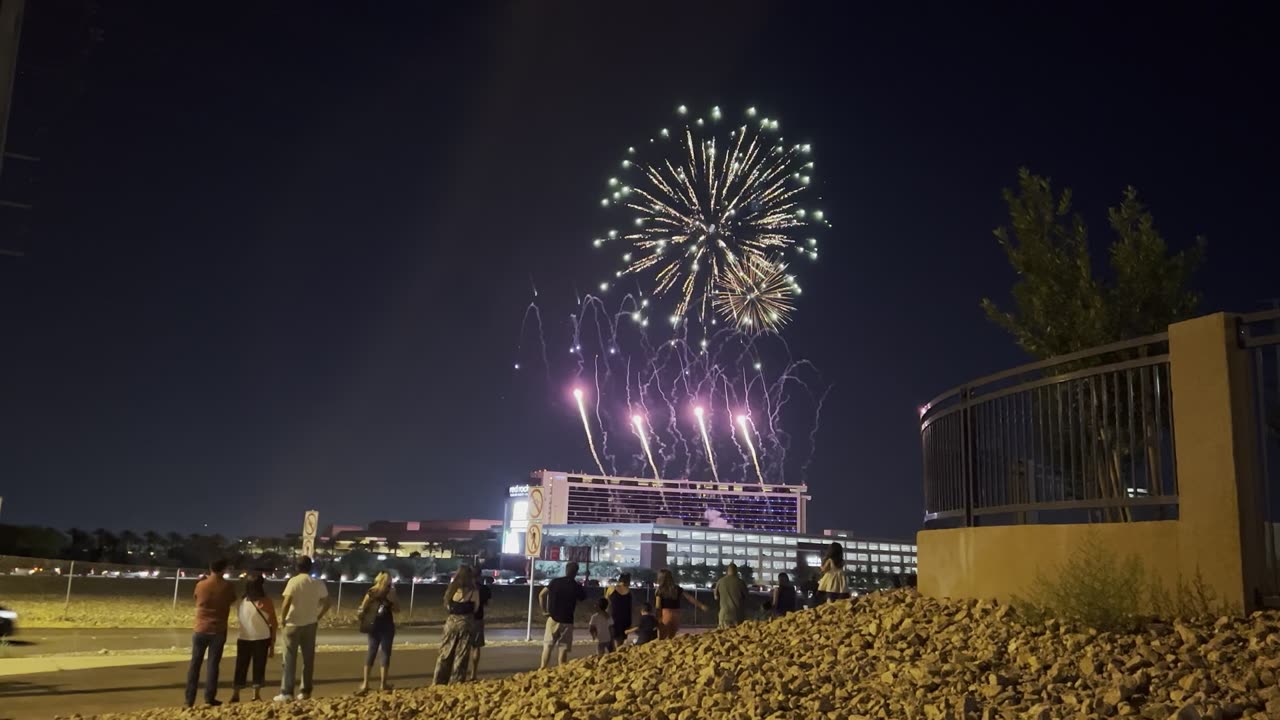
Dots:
pixel 1220 532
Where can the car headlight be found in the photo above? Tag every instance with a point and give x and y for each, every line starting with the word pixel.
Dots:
pixel 8 615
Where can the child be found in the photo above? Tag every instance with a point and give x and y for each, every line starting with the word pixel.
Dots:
pixel 601 626
pixel 766 611
pixel 647 628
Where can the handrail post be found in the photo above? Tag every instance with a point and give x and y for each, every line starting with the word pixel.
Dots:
pixel 966 429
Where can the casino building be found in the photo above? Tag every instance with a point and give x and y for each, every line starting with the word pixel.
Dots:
pixel 667 523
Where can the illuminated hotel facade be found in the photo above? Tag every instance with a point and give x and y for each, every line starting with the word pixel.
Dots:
pixel 580 499
pixel 668 523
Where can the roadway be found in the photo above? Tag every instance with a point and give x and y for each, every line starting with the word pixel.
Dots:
pixel 37 642
pixel 145 686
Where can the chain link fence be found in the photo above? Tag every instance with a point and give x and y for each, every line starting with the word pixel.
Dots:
pixel 63 593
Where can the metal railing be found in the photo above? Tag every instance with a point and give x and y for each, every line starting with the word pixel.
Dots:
pixel 1084 437
pixel 1259 334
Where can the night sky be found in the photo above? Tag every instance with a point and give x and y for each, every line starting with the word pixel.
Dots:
pixel 280 257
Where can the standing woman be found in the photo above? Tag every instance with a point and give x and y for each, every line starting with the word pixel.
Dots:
pixel 257 638
pixel 619 597
pixel 832 585
pixel 784 596
pixel 460 601
pixel 667 599
pixel 377 620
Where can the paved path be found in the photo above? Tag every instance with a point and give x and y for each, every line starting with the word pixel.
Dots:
pixel 140 687
pixel 36 642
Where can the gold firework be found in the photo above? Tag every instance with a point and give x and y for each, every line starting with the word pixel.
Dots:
pixel 757 297
pixel 707 214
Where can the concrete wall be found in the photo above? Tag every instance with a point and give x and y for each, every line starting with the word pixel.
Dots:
pixel 1219 533
pixel 1003 561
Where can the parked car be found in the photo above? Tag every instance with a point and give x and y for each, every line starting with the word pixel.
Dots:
pixel 518 580
pixel 8 621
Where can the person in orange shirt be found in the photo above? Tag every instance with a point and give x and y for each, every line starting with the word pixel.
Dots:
pixel 214 597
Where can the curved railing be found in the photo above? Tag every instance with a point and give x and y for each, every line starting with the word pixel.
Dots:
pixel 1085 437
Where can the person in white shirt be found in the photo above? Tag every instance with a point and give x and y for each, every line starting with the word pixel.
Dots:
pixel 601 627
pixel 306 600
pixel 257 638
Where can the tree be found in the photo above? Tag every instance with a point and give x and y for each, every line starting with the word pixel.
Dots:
pixel 81 545
pixel 1060 306
pixel 32 541
pixel 106 543
pixel 393 546
pixel 130 541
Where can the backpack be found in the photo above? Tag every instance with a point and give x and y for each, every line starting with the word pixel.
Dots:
pixel 369 613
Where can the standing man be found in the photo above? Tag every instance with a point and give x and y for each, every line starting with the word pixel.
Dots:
pixel 558 600
pixel 306 600
pixel 214 597
pixel 731 591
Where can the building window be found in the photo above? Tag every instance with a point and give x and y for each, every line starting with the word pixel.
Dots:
pixel 753 539
pixel 698 536
pixel 700 549
pixel 683 549
pixel 739 538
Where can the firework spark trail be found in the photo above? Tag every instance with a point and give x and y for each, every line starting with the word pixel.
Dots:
pixel 638 422
pixel 743 422
pixel 542 341
pixel 604 427
pixel 728 410
pixel 726 368
pixel 813 432
pixel 706 440
pixel 582 410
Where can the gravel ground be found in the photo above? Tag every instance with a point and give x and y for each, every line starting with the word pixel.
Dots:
pixel 890 655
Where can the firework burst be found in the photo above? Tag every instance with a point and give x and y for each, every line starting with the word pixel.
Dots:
pixel 759 298
pixel 708 211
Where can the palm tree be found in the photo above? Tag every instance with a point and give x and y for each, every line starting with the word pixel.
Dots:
pixel 106 541
pixel 393 546
pixel 81 543
pixel 130 540
pixel 152 539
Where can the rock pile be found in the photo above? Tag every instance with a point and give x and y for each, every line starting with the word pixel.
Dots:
pixel 890 655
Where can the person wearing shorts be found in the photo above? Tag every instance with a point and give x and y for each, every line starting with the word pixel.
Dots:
pixel 477 628
pixel 559 600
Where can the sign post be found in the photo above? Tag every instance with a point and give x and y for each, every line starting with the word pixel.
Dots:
pixel 533 548
pixel 310 522
pixel 70 574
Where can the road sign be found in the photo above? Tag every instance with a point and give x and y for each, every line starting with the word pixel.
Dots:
pixel 310 522
pixel 536 502
pixel 533 540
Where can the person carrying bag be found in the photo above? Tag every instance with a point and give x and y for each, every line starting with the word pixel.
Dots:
pixel 377 620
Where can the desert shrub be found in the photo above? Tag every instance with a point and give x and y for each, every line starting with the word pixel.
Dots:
pixel 1194 599
pixel 1093 587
